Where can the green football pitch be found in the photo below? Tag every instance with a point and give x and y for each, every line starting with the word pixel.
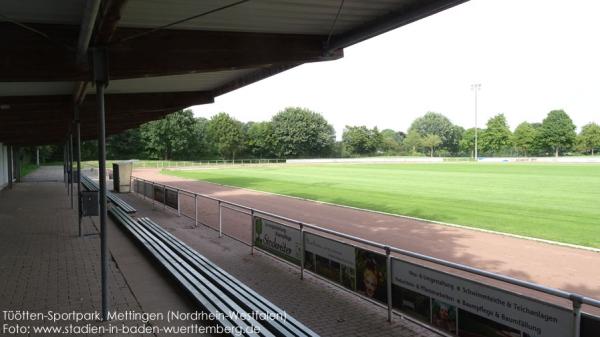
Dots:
pixel 559 202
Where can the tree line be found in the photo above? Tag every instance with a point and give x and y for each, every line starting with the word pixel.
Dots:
pixel 301 133
pixel 434 134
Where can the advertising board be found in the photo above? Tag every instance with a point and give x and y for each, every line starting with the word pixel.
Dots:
pixel 466 308
pixel 278 239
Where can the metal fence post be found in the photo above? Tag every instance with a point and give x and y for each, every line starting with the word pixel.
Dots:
pixel 220 220
pixel 196 209
pixel 252 231
pixel 178 204
pixel 576 300
pixel 152 194
pixel 388 258
pixel 302 248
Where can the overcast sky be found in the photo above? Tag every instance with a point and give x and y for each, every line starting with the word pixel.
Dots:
pixel 530 56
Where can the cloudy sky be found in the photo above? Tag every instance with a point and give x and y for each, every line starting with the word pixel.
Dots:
pixel 530 56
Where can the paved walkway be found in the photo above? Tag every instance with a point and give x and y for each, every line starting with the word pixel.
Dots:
pixel 45 174
pixel 44 265
pixel 328 310
pixel 555 266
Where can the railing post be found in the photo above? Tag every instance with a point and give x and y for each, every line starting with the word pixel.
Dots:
pixel 388 258
pixel 220 220
pixel 302 249
pixel 252 231
pixel 178 204
pixel 196 209
pixel 152 194
pixel 164 197
pixel 576 300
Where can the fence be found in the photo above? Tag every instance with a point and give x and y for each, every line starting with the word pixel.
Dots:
pixel 425 289
pixel 220 163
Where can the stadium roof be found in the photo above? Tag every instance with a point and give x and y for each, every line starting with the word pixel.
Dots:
pixel 165 55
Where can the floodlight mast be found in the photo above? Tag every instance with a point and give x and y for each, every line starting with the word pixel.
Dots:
pixel 476 87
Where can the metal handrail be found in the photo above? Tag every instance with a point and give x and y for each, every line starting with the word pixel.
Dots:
pixel 236 209
pixel 577 299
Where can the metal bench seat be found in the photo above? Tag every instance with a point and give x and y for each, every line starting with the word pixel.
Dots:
pixel 214 290
pixel 236 290
pixel 91 185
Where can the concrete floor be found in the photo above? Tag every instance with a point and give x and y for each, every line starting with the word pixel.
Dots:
pixel 45 266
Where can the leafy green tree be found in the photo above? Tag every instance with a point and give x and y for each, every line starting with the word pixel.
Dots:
pixel 259 139
pixel 467 141
pixel 391 140
pixel 497 136
pixel 173 137
pixel 456 136
pixel 557 131
pixel 125 145
pixel 201 142
pixel 299 132
pixel 431 141
pixel 438 124
pixel 589 137
pixel 524 138
pixel 412 142
pixel 89 150
pixel 49 153
pixel 339 150
pixel 227 135
pixel 361 140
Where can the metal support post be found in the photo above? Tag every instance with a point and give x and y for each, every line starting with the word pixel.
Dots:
pixel 71 175
pixel 196 209
pixel 78 143
pixel 302 248
pixel 100 67
pixel 220 220
pixel 388 261
pixel 252 230
pixel 10 166
pixel 178 204
pixel 17 159
pixel 65 164
pixel 164 197
pixel 576 300
pixel 153 197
